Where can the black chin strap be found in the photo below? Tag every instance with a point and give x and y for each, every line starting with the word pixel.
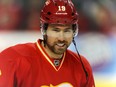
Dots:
pixel 80 59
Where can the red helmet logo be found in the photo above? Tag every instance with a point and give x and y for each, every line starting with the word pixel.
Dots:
pixel 59 12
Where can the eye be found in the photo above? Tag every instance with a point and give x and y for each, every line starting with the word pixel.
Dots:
pixel 56 30
pixel 68 30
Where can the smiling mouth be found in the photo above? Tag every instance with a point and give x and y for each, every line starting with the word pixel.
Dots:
pixel 60 44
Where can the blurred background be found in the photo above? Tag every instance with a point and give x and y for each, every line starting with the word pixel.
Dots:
pixel 19 23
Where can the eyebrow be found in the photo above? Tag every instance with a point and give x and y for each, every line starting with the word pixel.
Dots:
pixel 61 26
pixel 52 25
pixel 68 28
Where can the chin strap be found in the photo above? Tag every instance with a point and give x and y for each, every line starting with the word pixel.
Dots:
pixel 80 59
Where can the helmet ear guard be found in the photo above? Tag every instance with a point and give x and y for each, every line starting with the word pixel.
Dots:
pixel 75 33
pixel 75 29
pixel 43 32
pixel 43 28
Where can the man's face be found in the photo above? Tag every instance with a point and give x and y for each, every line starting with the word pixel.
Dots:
pixel 59 37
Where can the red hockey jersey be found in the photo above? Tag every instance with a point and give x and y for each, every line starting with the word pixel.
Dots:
pixel 28 65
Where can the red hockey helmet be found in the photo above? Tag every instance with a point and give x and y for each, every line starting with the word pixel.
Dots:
pixel 59 12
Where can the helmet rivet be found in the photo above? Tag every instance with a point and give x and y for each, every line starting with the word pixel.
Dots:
pixel 55 4
pixel 72 14
pixel 49 13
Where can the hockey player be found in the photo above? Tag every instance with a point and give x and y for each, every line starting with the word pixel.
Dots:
pixel 48 62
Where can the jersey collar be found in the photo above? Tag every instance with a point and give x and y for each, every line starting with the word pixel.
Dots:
pixel 38 43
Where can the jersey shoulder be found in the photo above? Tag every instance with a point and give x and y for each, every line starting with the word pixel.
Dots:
pixel 78 58
pixel 25 49
pixel 75 55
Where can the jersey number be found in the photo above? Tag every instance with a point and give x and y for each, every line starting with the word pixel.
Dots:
pixel 61 8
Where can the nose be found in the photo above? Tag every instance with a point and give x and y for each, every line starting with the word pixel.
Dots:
pixel 61 36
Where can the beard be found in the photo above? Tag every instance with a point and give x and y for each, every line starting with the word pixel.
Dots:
pixel 55 48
